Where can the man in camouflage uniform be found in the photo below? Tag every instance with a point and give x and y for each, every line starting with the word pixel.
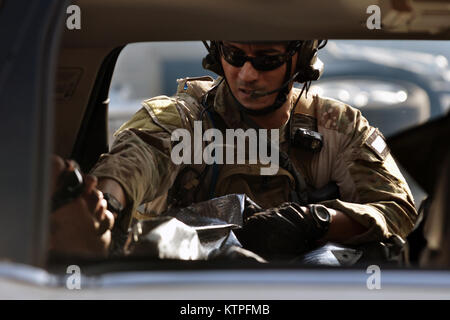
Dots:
pixel 374 202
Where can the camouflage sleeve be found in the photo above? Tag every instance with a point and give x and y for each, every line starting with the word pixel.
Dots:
pixel 381 199
pixel 140 157
pixel 143 170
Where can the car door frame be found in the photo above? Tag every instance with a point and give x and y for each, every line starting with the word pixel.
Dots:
pixel 27 72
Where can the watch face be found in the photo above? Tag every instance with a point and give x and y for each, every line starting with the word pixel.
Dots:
pixel 322 213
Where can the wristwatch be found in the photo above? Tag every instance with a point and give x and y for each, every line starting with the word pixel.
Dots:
pixel 114 205
pixel 322 217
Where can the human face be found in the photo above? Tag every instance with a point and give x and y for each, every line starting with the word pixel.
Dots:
pixel 246 79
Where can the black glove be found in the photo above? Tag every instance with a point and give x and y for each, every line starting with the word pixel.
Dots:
pixel 281 231
pixel 250 208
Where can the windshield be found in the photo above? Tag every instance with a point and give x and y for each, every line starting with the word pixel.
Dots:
pixel 395 84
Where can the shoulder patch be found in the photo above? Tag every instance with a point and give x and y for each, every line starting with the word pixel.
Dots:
pixel 377 144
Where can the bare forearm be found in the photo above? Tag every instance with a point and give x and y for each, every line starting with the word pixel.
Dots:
pixel 342 227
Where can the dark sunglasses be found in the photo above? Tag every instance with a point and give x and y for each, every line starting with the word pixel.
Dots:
pixel 236 58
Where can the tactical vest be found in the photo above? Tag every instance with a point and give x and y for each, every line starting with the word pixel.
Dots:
pixel 288 184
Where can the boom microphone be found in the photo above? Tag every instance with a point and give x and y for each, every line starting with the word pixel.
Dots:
pixel 259 94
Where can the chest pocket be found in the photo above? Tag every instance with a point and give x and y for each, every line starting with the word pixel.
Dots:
pixel 266 190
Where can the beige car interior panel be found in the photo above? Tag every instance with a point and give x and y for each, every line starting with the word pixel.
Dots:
pixel 76 74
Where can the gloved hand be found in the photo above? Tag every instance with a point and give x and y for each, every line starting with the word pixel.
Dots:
pixel 250 208
pixel 284 230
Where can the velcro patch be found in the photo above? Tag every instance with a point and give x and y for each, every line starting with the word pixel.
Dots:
pixel 377 144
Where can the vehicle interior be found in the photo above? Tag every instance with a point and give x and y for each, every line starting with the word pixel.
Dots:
pixel 81 63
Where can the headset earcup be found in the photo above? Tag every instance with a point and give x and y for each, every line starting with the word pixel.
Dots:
pixel 211 64
pixel 212 60
pixel 306 62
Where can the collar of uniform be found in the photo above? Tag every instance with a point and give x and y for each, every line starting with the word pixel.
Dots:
pixel 227 107
pixel 306 105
